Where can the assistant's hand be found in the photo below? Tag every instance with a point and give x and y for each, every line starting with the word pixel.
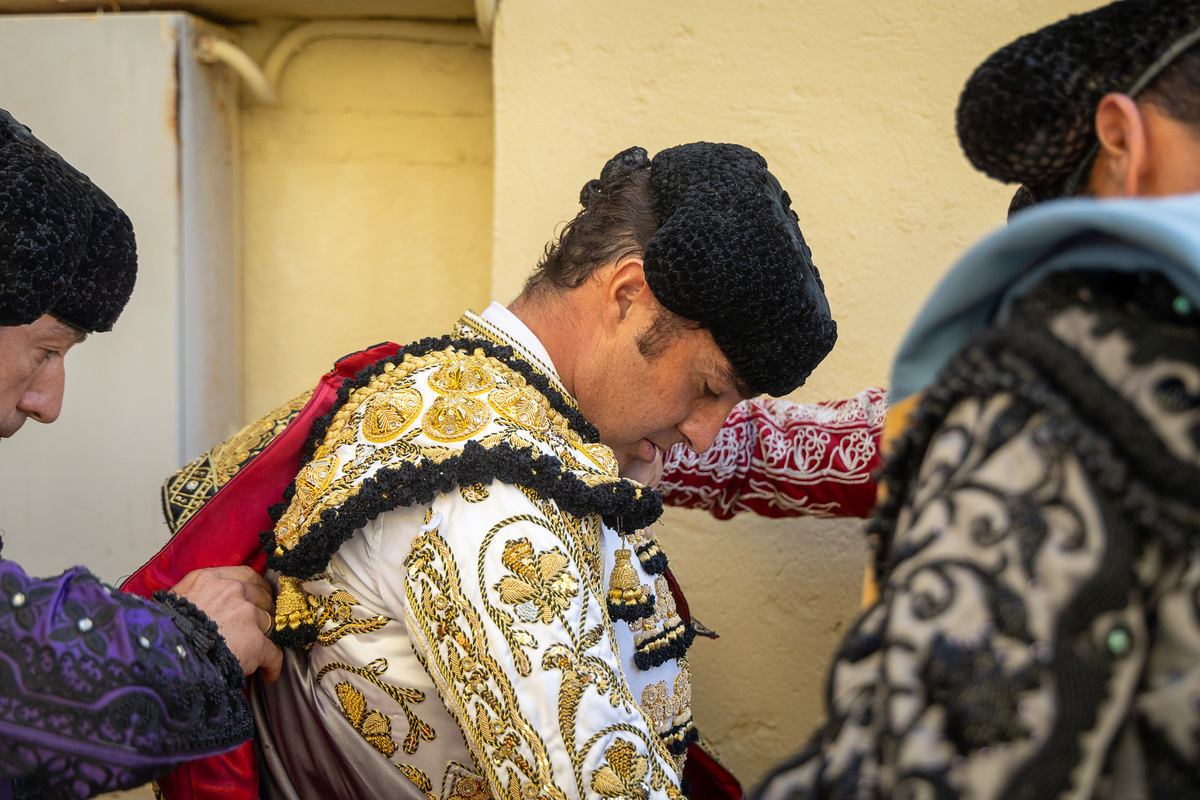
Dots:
pixel 240 601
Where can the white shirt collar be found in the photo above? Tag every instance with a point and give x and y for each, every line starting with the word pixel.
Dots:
pixel 501 323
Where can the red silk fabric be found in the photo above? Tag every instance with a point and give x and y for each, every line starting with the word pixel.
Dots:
pixel 225 532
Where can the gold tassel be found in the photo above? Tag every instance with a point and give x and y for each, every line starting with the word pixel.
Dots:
pixel 292 606
pixel 623 586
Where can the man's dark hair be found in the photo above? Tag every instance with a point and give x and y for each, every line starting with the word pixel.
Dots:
pixel 1176 92
pixel 617 221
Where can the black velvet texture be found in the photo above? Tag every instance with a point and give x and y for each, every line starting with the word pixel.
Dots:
pixel 65 247
pixel 1027 113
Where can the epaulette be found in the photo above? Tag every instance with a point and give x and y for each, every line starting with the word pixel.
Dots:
pixel 441 415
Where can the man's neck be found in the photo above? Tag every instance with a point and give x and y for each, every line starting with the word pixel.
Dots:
pixel 552 320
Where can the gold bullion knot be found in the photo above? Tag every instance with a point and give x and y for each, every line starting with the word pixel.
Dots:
pixel 389 413
pixel 624 589
pixel 622 773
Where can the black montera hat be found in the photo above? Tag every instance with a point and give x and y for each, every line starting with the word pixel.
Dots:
pixel 729 254
pixel 65 247
pixel 1027 114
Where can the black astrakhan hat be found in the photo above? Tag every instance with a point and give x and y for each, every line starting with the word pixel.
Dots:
pixel 65 247
pixel 729 254
pixel 1027 114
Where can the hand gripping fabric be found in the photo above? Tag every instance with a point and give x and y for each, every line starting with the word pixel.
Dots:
pixel 225 531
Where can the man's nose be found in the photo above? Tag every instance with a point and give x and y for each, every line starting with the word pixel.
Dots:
pixel 43 399
pixel 703 424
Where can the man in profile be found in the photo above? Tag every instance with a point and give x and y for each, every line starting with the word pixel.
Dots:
pixel 472 603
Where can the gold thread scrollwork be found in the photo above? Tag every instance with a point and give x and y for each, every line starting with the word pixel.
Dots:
pixel 375 723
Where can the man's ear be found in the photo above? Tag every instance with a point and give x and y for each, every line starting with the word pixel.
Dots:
pixel 626 287
pixel 1121 160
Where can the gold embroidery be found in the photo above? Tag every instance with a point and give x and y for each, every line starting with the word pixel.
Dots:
pixel 186 492
pixel 315 478
pixel 522 405
pixel 669 707
pixel 540 585
pixel 476 689
pixel 454 417
pixel 293 606
pixel 387 414
pixel 375 727
pixel 419 778
pixel 622 774
pixel 461 375
pixel 475 493
pixel 468 787
pixel 666 614
pixel 338 610
pixel 417 728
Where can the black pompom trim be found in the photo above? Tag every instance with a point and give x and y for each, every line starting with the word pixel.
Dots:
pixel 502 353
pixel 624 506
pixel 678 745
pixel 632 613
pixel 648 656
pixel 302 635
pixel 653 560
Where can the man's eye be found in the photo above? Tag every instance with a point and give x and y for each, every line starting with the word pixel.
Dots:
pixel 708 391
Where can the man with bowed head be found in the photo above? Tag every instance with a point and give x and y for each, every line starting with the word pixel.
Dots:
pixel 99 690
pixel 472 603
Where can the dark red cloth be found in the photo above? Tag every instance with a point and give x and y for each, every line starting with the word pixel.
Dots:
pixel 225 532
pixel 777 458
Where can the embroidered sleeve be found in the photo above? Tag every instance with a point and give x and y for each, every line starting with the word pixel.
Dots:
pixel 777 458
pixel 506 605
pixel 105 691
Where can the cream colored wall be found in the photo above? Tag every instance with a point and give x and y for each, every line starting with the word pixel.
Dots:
pixel 852 104
pixel 372 183
pixel 368 186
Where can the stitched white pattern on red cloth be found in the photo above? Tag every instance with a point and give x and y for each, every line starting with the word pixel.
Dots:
pixel 783 459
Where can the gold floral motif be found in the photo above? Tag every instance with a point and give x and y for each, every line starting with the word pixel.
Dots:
pixel 540 586
pixel 475 688
pixel 454 417
pixel 375 723
pixel 468 787
pixel 461 375
pixel 375 727
pixel 315 478
pixel 601 455
pixel 475 493
pixel 387 414
pixel 622 775
pixel 522 405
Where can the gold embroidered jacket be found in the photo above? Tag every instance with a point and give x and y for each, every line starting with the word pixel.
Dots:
pixel 456 535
